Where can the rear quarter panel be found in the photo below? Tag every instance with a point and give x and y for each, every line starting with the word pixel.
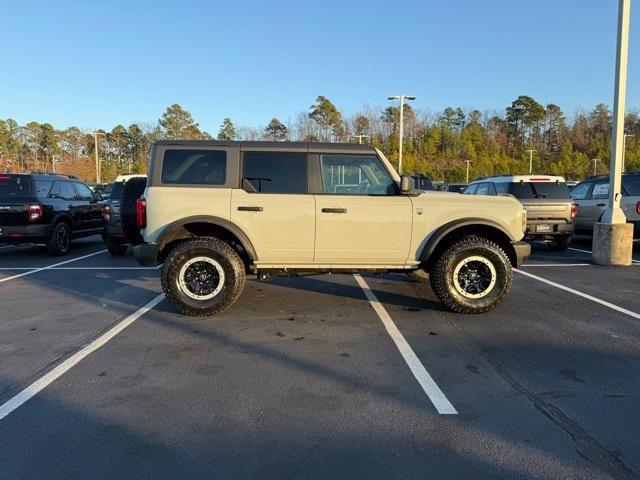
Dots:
pixel 169 204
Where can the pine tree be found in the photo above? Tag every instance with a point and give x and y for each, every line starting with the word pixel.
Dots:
pixel 276 131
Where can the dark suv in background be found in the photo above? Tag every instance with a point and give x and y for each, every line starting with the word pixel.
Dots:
pixel 114 235
pixel 47 209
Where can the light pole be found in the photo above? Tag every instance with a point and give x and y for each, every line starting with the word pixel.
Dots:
pixel 595 166
pixel 468 162
pixel 95 148
pixel 402 98
pixel 624 149
pixel 531 160
pixel 612 235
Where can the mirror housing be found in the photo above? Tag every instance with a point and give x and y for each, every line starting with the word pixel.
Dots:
pixel 407 185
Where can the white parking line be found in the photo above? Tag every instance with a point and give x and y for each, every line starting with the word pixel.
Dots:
pixel 428 384
pixel 633 260
pixel 46 380
pixel 581 294
pixel 36 270
pixel 81 268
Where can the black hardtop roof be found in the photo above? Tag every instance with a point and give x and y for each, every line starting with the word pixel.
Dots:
pixel 245 145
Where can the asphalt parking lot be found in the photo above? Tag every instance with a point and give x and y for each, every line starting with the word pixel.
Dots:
pixel 331 376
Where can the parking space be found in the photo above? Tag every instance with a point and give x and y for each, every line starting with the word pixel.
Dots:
pixel 315 377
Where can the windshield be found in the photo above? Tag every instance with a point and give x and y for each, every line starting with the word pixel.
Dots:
pixel 524 190
pixel 15 186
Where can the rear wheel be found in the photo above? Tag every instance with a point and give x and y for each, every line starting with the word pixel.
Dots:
pixel 115 248
pixel 560 244
pixel 60 240
pixel 473 275
pixel 203 276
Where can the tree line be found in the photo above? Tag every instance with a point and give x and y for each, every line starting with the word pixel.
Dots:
pixel 435 144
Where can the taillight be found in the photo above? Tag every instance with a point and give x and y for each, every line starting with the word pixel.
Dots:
pixel 141 213
pixel 35 213
pixel 106 213
pixel 574 211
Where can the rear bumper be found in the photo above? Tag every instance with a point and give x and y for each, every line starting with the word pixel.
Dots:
pixel 146 254
pixel 25 233
pixel 554 228
pixel 523 250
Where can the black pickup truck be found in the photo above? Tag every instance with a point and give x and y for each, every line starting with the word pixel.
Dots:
pixel 47 209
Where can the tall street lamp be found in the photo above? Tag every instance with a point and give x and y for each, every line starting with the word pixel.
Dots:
pixel 531 160
pixel 595 166
pixel 402 99
pixel 468 162
pixel 95 148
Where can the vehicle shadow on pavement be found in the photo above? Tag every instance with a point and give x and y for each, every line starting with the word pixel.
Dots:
pixel 327 287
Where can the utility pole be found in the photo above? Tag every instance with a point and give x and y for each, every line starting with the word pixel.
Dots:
pixel 531 160
pixel 624 149
pixel 468 162
pixel 595 166
pixel 360 137
pixel 402 98
pixel 612 235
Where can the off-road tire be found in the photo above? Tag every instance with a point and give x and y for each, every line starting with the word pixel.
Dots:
pixel 132 190
pixel 220 252
pixel 419 276
pixel 60 240
pixel 115 248
pixel 442 274
pixel 560 244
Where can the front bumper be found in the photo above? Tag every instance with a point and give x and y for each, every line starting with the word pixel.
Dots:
pixel 523 250
pixel 146 254
pixel 25 233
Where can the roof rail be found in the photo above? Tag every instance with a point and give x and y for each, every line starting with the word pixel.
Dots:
pixel 54 173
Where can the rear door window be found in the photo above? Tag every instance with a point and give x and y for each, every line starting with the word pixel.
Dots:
pixel 42 188
pixel 67 192
pixel 194 167
pixel 600 191
pixel 274 172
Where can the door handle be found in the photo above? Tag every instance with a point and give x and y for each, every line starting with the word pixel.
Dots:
pixel 334 210
pixel 601 205
pixel 250 209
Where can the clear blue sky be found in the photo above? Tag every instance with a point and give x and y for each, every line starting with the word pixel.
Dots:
pixel 97 64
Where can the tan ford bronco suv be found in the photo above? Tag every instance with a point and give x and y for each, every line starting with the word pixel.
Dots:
pixel 213 212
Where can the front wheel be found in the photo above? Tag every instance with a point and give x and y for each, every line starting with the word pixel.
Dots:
pixel 203 276
pixel 473 275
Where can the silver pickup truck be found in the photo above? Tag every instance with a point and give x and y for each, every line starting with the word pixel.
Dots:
pixel 551 212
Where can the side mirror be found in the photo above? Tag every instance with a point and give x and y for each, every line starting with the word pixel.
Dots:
pixel 407 185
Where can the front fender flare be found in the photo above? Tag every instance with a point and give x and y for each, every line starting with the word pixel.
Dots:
pixel 434 239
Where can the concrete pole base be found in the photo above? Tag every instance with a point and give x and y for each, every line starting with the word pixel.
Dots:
pixel 612 244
